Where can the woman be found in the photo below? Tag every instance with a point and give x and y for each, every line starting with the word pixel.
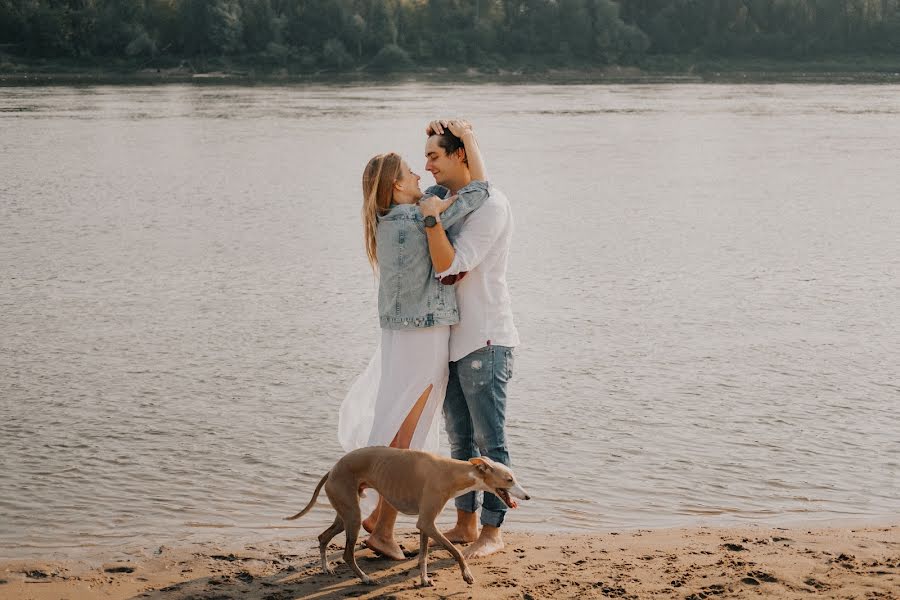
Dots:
pixel 395 400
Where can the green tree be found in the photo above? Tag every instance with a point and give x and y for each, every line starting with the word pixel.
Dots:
pixel 47 30
pixel 194 19
pixel 226 28
pixel 391 58
pixel 261 25
pixel 335 55
pixel 12 23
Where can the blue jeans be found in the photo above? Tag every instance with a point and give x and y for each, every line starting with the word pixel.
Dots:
pixel 475 418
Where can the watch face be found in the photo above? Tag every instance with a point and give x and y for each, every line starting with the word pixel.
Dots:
pixel 430 221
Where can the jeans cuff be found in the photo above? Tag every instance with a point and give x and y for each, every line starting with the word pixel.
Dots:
pixel 467 502
pixel 494 518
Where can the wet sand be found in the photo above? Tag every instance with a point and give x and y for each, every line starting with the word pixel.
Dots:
pixel 691 564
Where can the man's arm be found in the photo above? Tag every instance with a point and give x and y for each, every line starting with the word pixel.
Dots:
pixel 469 199
pixel 440 248
pixel 476 239
pixel 436 190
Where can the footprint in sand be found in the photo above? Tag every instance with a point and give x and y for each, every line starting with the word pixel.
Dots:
pixel 815 583
pixel 762 576
pixel 36 574
pixel 119 569
pixel 709 591
pixel 733 547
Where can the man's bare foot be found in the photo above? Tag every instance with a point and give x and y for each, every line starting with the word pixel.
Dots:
pixel 387 548
pixel 489 542
pixel 466 528
pixel 461 534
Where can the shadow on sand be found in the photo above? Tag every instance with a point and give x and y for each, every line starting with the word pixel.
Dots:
pixel 301 577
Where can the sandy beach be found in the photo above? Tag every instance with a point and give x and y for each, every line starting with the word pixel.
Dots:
pixel 691 564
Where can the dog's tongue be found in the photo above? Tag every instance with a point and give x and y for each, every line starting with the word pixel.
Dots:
pixel 507 499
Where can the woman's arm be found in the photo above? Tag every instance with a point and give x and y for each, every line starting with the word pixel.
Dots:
pixel 440 248
pixel 463 130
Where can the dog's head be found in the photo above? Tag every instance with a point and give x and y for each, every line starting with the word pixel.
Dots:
pixel 499 480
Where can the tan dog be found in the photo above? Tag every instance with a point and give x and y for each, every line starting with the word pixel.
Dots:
pixel 413 482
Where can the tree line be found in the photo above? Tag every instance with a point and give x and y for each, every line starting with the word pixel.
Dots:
pixel 391 35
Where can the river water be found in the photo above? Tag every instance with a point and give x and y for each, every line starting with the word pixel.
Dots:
pixel 706 279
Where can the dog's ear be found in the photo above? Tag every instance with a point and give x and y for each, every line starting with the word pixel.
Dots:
pixel 482 464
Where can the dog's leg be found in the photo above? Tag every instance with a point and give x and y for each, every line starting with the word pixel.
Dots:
pixel 423 558
pixel 466 573
pixel 325 537
pixel 427 527
pixel 343 493
pixel 353 521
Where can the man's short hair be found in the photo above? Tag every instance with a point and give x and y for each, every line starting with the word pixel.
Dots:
pixel 450 143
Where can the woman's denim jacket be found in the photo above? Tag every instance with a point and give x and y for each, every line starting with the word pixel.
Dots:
pixel 409 295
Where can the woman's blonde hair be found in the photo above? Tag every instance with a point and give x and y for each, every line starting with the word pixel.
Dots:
pixel 378 192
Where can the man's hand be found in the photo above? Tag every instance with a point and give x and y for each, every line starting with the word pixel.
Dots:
pixel 435 205
pixel 457 127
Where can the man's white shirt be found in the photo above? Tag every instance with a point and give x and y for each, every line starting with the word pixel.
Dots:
pixel 485 308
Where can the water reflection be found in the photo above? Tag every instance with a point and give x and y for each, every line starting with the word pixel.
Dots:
pixel 705 279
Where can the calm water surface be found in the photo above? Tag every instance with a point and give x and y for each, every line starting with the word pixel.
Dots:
pixel 706 280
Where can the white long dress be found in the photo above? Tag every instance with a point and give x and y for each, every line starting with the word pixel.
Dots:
pixel 405 363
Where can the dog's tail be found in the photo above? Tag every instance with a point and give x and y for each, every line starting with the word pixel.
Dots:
pixel 312 500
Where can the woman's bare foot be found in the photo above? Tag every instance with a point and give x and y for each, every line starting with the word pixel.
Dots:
pixel 489 542
pixel 388 548
pixel 369 522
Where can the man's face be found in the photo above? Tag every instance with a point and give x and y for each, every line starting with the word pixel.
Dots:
pixel 446 169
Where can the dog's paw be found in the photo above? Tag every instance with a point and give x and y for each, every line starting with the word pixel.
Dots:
pixel 427 582
pixel 328 570
pixel 467 576
pixel 368 581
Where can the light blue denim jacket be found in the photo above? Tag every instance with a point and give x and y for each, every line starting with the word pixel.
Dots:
pixel 409 295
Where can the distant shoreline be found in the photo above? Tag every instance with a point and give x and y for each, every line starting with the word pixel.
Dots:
pixel 664 71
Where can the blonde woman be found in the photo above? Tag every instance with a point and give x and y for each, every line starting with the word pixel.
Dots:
pixel 395 400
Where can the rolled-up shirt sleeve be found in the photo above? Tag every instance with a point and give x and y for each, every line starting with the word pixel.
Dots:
pixel 468 199
pixel 436 190
pixel 480 233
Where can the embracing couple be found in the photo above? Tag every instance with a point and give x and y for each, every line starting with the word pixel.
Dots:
pixel 447 331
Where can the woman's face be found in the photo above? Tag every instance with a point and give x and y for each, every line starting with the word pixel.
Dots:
pixel 406 189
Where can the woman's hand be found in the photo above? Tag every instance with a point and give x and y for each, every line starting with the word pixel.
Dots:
pixel 465 132
pixel 434 205
pixel 458 127
pixel 436 127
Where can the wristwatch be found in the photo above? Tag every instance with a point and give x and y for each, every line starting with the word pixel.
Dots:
pixel 431 221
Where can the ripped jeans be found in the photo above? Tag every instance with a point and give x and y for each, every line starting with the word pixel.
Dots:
pixel 475 418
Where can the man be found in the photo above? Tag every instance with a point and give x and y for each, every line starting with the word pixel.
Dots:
pixel 481 345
